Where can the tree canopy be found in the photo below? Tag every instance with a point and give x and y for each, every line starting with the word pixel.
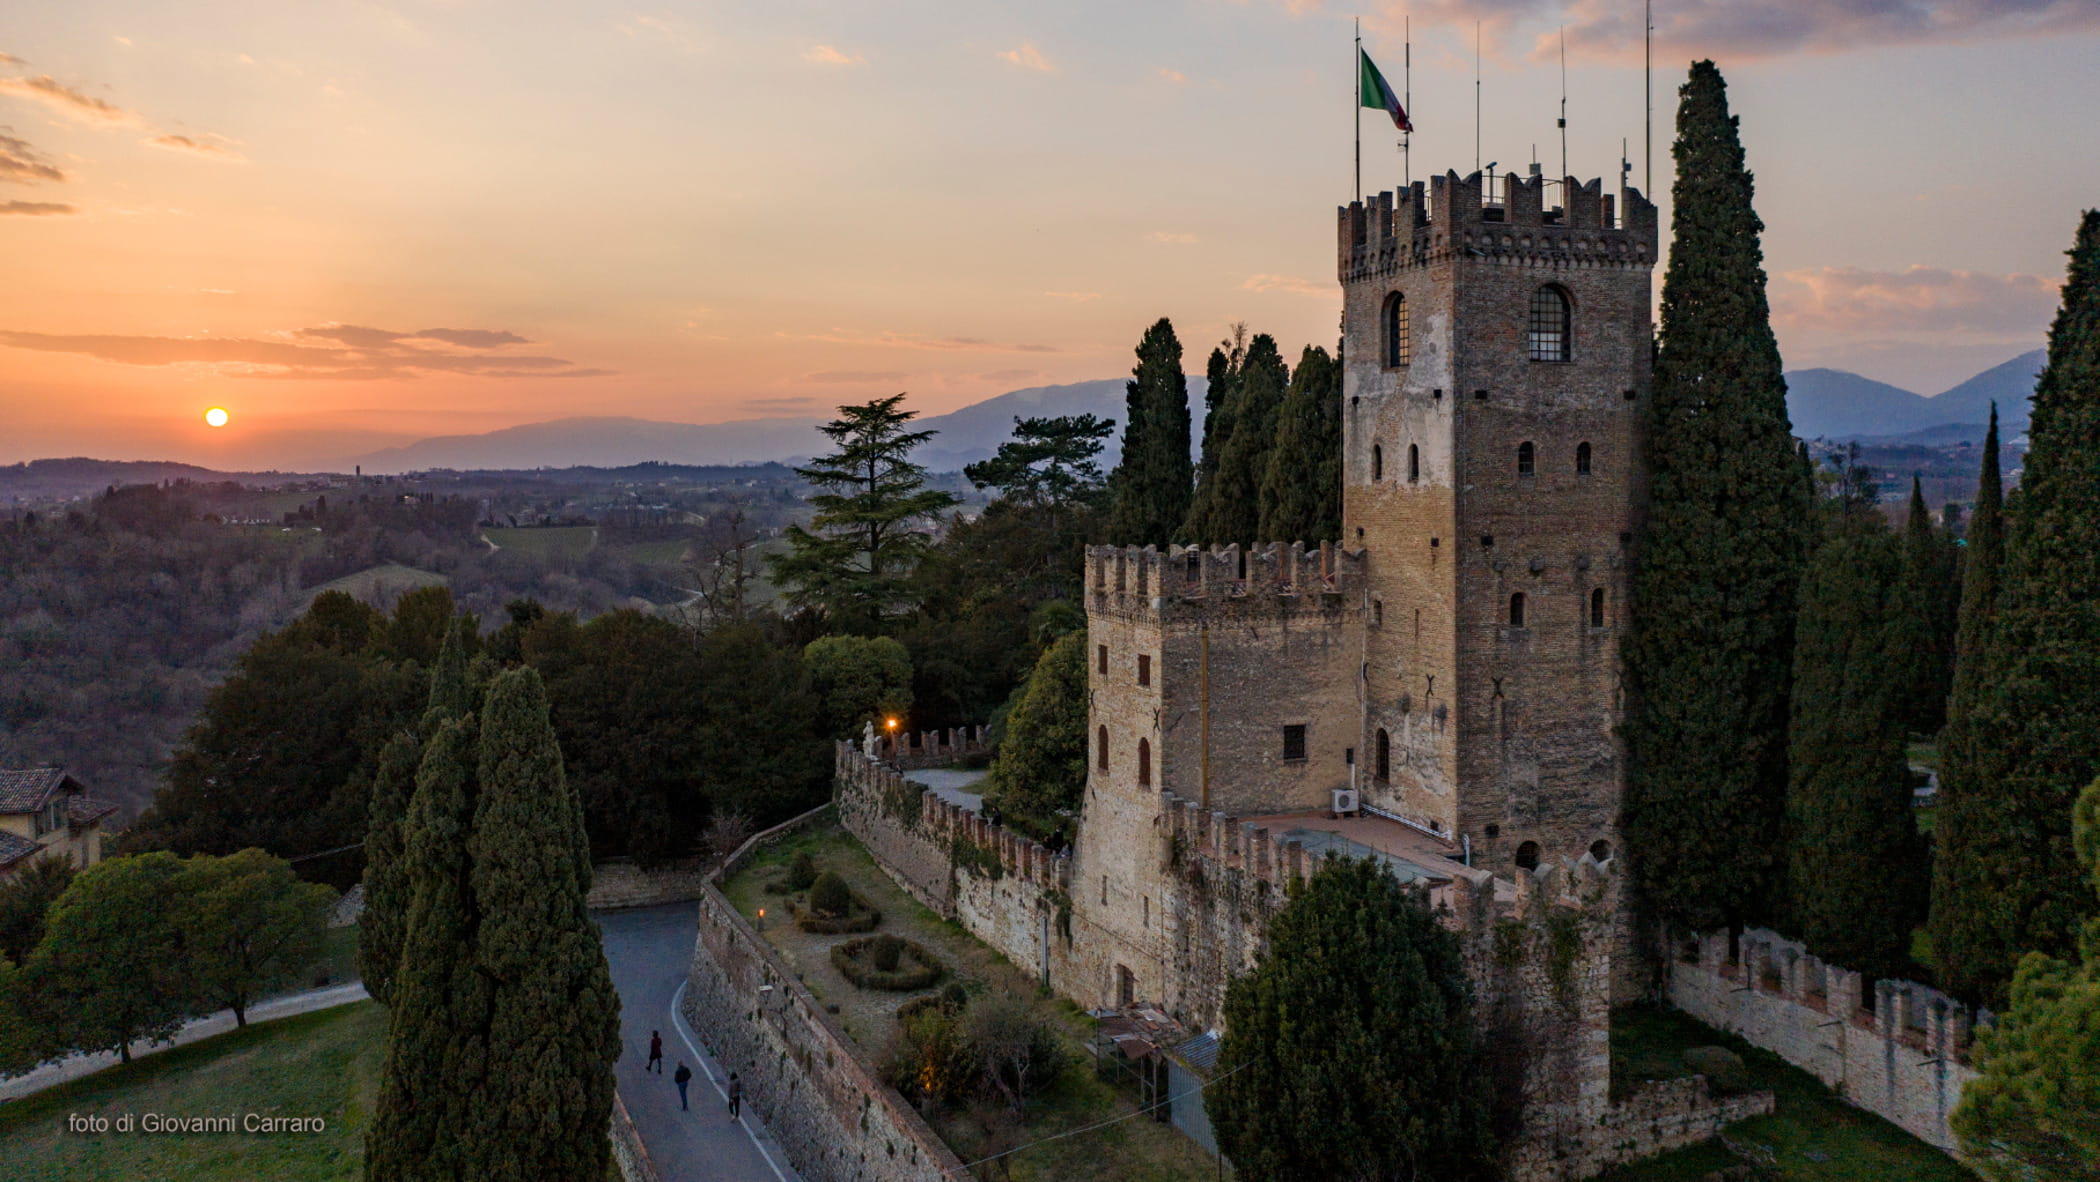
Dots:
pixel 1149 489
pixel 1038 779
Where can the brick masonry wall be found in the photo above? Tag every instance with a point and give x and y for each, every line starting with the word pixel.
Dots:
pixel 630 1156
pixel 1906 1060
pixel 835 1118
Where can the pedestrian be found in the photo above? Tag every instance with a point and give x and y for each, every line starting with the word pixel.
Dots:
pixel 682 1077
pixel 656 1053
pixel 736 1096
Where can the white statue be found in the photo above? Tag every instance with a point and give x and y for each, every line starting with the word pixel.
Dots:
pixel 867 739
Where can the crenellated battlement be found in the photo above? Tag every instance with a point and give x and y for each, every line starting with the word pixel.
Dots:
pixel 1142 579
pixel 1508 220
pixel 873 794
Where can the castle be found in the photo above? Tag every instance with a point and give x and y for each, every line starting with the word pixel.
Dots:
pixel 1450 672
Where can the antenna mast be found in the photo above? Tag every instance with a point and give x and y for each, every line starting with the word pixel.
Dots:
pixel 1564 102
pixel 1648 80
pixel 1476 96
pixel 1407 83
pixel 1356 105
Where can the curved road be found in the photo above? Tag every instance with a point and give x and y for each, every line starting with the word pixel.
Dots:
pixel 649 949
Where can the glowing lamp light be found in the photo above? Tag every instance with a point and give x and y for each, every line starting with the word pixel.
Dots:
pixel 890 723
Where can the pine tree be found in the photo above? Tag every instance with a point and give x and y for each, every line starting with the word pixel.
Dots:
pixel 1149 489
pixel 1301 493
pixel 1360 1010
pixel 437 1054
pixel 2034 729
pixel 1221 389
pixel 1232 504
pixel 1966 849
pixel 554 1018
pixel 1856 870
pixel 1923 625
pixel 1707 655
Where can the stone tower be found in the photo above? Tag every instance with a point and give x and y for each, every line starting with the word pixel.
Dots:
pixel 1496 356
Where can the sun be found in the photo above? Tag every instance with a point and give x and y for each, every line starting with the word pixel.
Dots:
pixel 216 416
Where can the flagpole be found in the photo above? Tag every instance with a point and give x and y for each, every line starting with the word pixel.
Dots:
pixel 1356 105
pixel 1648 82
pixel 1407 160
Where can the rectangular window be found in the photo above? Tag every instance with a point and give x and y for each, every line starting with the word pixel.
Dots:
pixel 1294 742
pixel 1148 910
pixel 1144 669
pixel 1101 658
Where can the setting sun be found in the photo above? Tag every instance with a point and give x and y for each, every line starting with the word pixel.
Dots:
pixel 216 416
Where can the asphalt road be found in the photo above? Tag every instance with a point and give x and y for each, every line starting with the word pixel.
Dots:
pixel 648 949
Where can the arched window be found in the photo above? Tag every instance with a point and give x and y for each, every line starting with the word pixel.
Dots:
pixel 1516 610
pixel 1582 459
pixel 1528 856
pixel 1384 752
pixel 1527 458
pixel 1414 464
pixel 1549 324
pixel 1101 749
pixel 1597 607
pixel 1377 461
pixel 1398 349
pixel 1144 763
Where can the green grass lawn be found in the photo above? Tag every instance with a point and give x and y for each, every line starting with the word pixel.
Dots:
pixel 1812 1135
pixel 567 541
pixel 670 552
pixel 323 1064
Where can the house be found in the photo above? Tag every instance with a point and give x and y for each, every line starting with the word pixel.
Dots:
pixel 45 811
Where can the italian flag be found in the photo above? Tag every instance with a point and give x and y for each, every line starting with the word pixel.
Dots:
pixel 1372 91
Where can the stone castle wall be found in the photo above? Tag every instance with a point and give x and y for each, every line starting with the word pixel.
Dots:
pixel 835 1118
pixel 1906 1059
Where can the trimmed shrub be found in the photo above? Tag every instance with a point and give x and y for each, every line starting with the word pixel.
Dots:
pixel 862 918
pixel 886 952
pixel 1723 1069
pixel 830 896
pixel 801 872
pixel 856 961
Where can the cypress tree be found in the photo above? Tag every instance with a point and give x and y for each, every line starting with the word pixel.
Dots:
pixel 385 916
pixel 1708 653
pixel 1301 492
pixel 1232 507
pixel 1221 389
pixel 1923 624
pixel 437 1054
pixel 1856 870
pixel 1149 489
pixel 2034 725
pixel 554 1018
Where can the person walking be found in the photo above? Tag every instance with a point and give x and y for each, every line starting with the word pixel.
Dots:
pixel 656 1053
pixel 682 1077
pixel 736 1096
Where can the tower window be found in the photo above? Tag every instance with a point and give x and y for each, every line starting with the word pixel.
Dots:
pixel 1377 462
pixel 1549 324
pixel 1294 742
pixel 1384 756
pixel 1414 464
pixel 1597 607
pixel 1144 763
pixel 1528 856
pixel 1101 749
pixel 1195 563
pixel 1398 349
pixel 1527 458
pixel 1516 610
pixel 1582 459
pixel 1101 658
pixel 1144 669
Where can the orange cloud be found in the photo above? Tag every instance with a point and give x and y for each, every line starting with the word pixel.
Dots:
pixel 906 340
pixel 1289 283
pixel 826 55
pixel 1922 299
pixel 183 143
pixel 1028 57
pixel 355 353
pixel 22 163
pixel 62 98
pixel 34 208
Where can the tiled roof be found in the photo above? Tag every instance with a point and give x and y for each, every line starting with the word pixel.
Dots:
pixel 26 790
pixel 14 848
pixel 84 810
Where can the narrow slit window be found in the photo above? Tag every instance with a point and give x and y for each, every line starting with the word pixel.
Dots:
pixel 1144 763
pixel 1101 658
pixel 1101 749
pixel 1527 459
pixel 1597 607
pixel 1377 462
pixel 1414 463
pixel 1549 324
pixel 1582 459
pixel 1516 610
pixel 1144 669
pixel 1383 753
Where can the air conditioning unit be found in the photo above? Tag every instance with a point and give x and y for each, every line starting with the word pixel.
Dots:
pixel 1343 802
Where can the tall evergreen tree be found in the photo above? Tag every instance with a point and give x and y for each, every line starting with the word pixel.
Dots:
pixel 1856 871
pixel 1038 780
pixel 1221 389
pixel 855 563
pixel 554 1019
pixel 1966 846
pixel 1301 493
pixel 1359 1010
pixel 1707 656
pixel 2034 738
pixel 437 1054
pixel 1231 510
pixel 1923 636
pixel 1149 490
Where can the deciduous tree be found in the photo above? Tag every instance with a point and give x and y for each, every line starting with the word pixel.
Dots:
pixel 109 970
pixel 26 897
pixel 858 680
pixel 246 924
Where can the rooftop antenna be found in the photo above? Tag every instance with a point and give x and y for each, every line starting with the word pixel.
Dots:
pixel 1648 80
pixel 1356 105
pixel 1407 84
pixel 1476 96
pixel 1564 100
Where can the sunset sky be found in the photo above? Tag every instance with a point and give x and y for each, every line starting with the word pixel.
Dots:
pixel 354 223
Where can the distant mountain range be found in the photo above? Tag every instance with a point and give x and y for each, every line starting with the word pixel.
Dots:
pixel 1834 404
